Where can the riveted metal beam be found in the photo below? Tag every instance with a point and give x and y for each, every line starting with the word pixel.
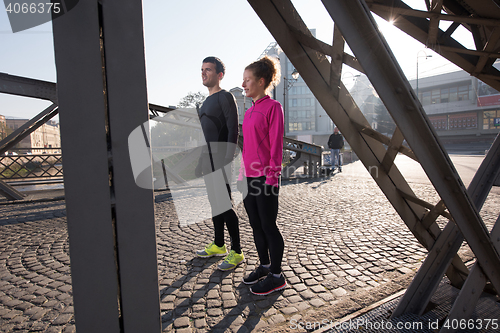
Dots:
pixel 22 86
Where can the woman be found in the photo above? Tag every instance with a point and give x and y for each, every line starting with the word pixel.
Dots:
pixel 262 154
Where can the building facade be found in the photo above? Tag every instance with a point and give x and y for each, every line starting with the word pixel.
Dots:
pixel 460 107
pixel 45 139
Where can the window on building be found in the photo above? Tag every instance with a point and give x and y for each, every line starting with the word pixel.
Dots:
pixel 299 90
pixel 453 94
pixel 445 95
pixel 463 93
pixel 463 121
pixel 435 96
pixel 489 119
pixel 439 122
pixel 426 98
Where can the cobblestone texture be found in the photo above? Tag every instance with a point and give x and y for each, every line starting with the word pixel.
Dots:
pixel 345 248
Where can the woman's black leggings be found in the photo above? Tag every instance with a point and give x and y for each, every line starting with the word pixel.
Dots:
pixel 261 204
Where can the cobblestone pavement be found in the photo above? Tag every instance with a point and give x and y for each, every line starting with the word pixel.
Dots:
pixel 345 248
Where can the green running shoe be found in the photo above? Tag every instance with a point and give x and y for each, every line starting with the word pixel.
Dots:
pixel 212 250
pixel 232 260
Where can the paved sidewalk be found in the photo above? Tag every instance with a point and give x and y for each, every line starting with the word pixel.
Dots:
pixel 345 248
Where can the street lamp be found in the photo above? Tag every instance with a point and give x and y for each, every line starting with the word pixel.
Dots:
pixel 287 84
pixel 426 56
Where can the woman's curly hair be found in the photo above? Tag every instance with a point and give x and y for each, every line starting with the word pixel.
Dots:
pixel 267 68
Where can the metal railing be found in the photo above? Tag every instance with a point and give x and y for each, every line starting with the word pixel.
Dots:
pixel 297 154
pixel 30 163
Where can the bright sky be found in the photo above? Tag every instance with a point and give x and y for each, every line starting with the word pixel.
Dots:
pixel 179 34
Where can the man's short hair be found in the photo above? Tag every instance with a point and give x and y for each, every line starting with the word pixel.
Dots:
pixel 219 65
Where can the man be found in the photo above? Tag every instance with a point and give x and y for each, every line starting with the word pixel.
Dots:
pixel 335 143
pixel 219 122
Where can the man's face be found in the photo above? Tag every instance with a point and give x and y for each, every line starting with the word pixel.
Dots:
pixel 336 131
pixel 209 75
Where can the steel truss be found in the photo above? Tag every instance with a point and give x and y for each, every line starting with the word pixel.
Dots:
pixel 27 87
pixel 21 86
pixel 481 18
pixel 355 24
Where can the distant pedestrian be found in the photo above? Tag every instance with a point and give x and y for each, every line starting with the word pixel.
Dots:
pixel 219 122
pixel 335 143
pixel 263 130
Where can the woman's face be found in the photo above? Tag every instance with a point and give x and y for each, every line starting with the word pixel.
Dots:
pixel 251 85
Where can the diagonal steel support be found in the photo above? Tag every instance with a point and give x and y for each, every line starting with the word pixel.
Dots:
pixel 360 31
pixel 433 213
pixel 490 47
pixel 390 142
pixel 18 135
pixel 393 148
pixel 419 292
pixel 28 128
pixel 336 62
pixel 10 192
pixel 283 22
pixel 469 295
